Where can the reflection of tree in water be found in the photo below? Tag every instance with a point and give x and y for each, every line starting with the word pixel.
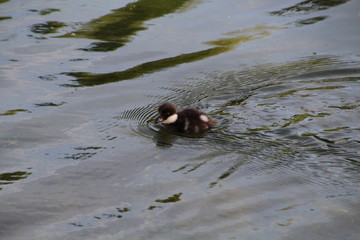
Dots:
pixel 47 28
pixel 116 28
pixel 84 153
pixel 309 21
pixel 218 47
pixel 308 6
pixel 9 178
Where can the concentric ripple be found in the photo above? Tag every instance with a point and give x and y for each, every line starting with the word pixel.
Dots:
pixel 287 118
pixel 139 120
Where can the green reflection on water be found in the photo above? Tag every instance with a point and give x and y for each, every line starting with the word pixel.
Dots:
pixel 47 28
pixel 262 128
pixel 309 21
pixel 5 18
pixel 290 92
pixel 221 46
pixel 287 222
pixel 335 129
pixel 93 79
pixel 345 107
pixel 117 27
pixel 9 178
pixel 45 11
pixel 173 198
pixel 152 207
pixel 308 6
pixel 295 119
pixel 49 104
pixel 12 112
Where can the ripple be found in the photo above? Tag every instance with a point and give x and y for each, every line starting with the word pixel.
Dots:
pixel 252 99
pixel 139 120
pixel 298 118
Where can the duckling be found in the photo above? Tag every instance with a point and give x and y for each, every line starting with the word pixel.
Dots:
pixel 189 120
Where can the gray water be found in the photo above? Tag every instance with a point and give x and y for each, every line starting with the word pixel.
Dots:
pixel 81 156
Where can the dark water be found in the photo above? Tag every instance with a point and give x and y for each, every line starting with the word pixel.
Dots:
pixel 81 157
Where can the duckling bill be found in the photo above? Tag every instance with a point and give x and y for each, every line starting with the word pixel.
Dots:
pixel 189 120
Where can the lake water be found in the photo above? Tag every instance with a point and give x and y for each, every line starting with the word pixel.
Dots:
pixel 81 156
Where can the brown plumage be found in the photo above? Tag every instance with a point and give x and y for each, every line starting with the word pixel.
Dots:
pixel 189 120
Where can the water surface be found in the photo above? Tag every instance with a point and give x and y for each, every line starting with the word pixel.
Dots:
pixel 81 156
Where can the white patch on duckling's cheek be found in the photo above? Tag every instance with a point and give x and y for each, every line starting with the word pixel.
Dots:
pixel 170 119
pixel 204 118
